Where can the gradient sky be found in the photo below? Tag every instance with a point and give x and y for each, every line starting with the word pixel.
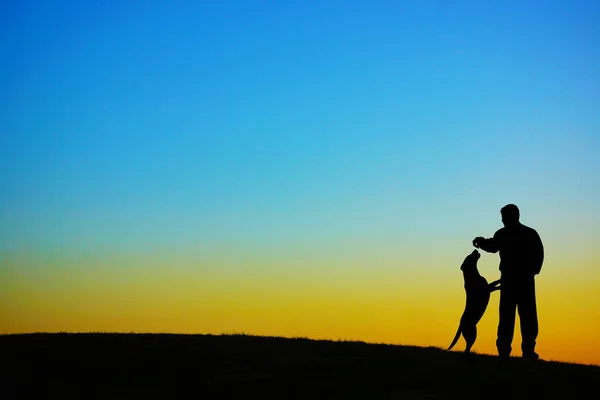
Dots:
pixel 295 168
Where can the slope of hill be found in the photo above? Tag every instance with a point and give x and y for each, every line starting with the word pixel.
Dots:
pixel 147 366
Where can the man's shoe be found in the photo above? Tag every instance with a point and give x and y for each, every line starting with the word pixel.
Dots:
pixel 531 355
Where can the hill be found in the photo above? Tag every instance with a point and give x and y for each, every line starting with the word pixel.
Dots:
pixel 161 366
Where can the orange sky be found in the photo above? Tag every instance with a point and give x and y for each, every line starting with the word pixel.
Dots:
pixel 367 298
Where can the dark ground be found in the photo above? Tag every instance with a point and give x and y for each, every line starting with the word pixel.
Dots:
pixel 165 366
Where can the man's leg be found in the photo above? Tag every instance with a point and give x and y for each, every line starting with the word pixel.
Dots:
pixel 506 325
pixel 528 318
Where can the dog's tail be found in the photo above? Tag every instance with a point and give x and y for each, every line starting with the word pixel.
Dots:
pixel 456 337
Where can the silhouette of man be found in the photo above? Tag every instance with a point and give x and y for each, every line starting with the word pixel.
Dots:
pixel 521 258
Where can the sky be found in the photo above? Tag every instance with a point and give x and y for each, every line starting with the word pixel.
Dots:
pixel 297 168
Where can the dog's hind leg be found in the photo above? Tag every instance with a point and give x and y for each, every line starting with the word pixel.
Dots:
pixel 470 334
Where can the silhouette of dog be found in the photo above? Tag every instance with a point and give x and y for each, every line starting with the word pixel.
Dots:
pixel 478 296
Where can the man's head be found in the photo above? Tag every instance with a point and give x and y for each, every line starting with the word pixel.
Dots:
pixel 510 215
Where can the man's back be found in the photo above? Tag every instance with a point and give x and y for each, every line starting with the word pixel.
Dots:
pixel 521 251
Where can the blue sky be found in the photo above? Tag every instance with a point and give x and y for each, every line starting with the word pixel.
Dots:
pixel 164 124
pixel 299 168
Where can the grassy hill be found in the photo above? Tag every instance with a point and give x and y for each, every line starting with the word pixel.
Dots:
pixel 167 366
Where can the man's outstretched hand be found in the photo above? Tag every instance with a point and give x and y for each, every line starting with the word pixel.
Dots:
pixel 477 241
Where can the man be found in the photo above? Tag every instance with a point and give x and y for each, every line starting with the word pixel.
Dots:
pixel 521 258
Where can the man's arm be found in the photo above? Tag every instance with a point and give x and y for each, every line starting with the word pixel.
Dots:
pixel 490 245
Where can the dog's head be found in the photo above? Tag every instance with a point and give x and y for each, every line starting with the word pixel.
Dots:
pixel 470 261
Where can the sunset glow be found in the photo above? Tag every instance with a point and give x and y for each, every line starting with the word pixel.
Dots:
pixel 296 168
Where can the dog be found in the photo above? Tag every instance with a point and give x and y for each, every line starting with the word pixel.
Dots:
pixel 478 296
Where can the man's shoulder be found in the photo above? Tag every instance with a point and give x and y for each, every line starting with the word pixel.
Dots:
pixel 530 232
pixel 500 232
pixel 528 229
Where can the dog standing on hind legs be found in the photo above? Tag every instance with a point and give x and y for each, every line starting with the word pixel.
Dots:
pixel 478 296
